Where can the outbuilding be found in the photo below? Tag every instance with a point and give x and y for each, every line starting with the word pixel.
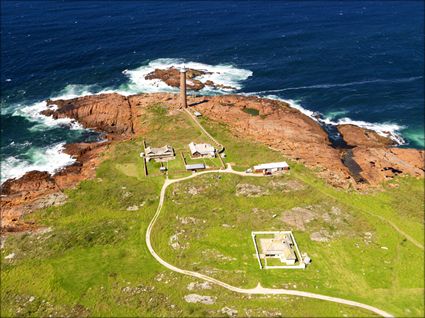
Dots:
pixel 195 166
pixel 271 168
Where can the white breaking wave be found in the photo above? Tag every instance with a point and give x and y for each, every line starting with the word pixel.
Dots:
pixel 227 75
pixel 222 74
pixel 336 113
pixel 389 130
pixel 49 159
pixel 52 158
pixel 294 104
pixel 397 80
pixel 74 91
pixel 32 113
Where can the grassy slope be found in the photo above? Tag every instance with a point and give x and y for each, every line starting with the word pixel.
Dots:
pixel 391 278
pixel 95 262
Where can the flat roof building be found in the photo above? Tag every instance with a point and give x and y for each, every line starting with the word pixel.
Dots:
pixel 271 168
pixel 195 166
pixel 279 247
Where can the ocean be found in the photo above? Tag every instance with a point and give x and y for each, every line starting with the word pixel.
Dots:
pixel 353 62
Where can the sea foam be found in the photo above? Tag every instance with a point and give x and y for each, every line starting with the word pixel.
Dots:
pixel 33 113
pixel 48 159
pixel 52 158
pixel 222 74
pixel 389 130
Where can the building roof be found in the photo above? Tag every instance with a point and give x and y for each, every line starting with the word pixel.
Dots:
pixel 195 166
pixel 203 149
pixel 196 113
pixel 271 165
pixel 289 253
pixel 277 246
pixel 163 151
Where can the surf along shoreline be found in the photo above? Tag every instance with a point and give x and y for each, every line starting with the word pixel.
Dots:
pixel 361 159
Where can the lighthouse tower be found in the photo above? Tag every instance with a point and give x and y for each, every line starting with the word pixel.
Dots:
pixel 183 99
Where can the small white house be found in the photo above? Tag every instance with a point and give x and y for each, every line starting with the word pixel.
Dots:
pixel 197 114
pixel 195 166
pixel 202 150
pixel 271 168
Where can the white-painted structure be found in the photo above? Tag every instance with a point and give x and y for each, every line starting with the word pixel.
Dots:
pixel 202 150
pixel 281 245
pixel 159 154
pixel 195 166
pixel 271 168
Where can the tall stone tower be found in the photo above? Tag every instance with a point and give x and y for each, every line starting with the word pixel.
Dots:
pixel 183 99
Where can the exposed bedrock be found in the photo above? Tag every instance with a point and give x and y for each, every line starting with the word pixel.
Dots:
pixel 376 158
pixel 37 189
pixel 380 164
pixel 171 77
pixel 356 136
pixel 371 161
pixel 110 113
pixel 271 122
pixel 281 127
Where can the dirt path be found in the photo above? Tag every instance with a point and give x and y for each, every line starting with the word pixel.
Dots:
pixel 259 290
pixel 196 121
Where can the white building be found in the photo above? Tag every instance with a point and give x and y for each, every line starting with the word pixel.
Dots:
pixel 271 168
pixel 195 166
pixel 274 247
pixel 279 247
pixel 159 154
pixel 202 150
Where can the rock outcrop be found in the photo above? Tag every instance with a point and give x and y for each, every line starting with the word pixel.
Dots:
pixel 356 136
pixel 18 194
pixel 377 159
pixel 271 122
pixel 280 127
pixel 301 138
pixel 36 189
pixel 110 113
pixel 171 77
pixel 380 164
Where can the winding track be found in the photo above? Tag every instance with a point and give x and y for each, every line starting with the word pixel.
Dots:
pixel 259 290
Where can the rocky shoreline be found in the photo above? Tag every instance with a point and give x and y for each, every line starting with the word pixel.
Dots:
pixel 171 77
pixel 369 160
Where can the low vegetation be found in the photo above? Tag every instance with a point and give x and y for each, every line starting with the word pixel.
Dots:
pixel 251 111
pixel 90 257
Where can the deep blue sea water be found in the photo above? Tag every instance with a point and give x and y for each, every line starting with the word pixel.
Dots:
pixel 360 62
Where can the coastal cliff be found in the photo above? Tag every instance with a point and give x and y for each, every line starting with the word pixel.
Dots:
pixel 268 121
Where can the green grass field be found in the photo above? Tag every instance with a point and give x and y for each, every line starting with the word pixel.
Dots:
pixel 93 261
